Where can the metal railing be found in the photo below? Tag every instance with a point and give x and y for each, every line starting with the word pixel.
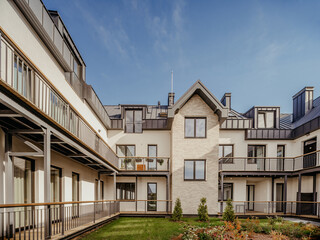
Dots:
pixel 42 221
pixel 300 208
pixel 144 163
pixel 146 206
pixel 19 76
pixel 270 164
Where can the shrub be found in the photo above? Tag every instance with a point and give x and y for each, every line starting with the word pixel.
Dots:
pixel 203 210
pixel 228 214
pixel 177 212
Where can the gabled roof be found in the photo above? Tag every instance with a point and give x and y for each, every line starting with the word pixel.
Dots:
pixel 206 95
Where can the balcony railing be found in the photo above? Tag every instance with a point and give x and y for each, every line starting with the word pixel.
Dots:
pixel 145 206
pixel 18 75
pixel 45 220
pixel 263 164
pixel 144 163
pixel 251 208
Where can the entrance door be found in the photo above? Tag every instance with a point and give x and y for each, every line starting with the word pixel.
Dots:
pixel 250 197
pixel 152 195
pixel 279 197
pixel 56 175
pixel 310 159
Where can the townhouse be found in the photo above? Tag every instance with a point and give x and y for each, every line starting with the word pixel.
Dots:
pixel 67 160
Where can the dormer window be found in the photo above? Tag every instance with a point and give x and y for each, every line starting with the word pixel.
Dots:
pixel 266 119
pixel 133 121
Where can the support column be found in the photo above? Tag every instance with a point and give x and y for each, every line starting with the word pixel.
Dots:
pixel 99 188
pixel 315 194
pixel 9 184
pixel 114 186
pixel 136 193
pixel 272 195
pixel 167 192
pixel 221 184
pixel 299 195
pixel 47 177
pixel 285 194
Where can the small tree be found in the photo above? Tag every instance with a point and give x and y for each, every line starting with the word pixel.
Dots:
pixel 177 212
pixel 228 214
pixel 203 210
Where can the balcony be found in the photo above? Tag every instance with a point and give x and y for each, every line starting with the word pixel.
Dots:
pixel 144 164
pixel 264 164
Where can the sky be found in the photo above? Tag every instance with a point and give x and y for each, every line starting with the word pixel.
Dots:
pixel 263 52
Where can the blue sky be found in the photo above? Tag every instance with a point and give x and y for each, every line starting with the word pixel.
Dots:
pixel 263 52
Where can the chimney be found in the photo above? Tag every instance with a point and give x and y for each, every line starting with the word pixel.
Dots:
pixel 302 103
pixel 171 99
pixel 226 100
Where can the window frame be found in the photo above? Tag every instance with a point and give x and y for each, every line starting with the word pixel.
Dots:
pixel 264 112
pixel 134 122
pixel 126 189
pixel 126 145
pixel 195 127
pixel 255 158
pixel 227 145
pixel 232 189
pixel 194 169
pixel 155 158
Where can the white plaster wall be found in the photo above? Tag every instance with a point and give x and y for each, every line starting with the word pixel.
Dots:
pixel 19 30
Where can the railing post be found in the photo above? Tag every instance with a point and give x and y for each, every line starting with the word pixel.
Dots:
pixel 94 212
pixel 62 218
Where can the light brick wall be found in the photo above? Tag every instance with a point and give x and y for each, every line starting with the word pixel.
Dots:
pixel 190 192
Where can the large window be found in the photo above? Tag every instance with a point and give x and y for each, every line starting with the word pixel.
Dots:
pixel 152 152
pixel 133 121
pixel 125 152
pixel 195 170
pixel 280 155
pixel 23 181
pixel 256 153
pixel 226 152
pixel 227 192
pixel 126 191
pixel 56 175
pixel 266 119
pixel 195 127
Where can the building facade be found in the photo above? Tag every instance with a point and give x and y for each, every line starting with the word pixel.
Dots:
pixel 60 144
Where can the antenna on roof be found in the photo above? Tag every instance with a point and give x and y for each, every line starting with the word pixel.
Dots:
pixel 172 81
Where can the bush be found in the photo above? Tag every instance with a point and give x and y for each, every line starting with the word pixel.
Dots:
pixel 228 214
pixel 203 210
pixel 177 212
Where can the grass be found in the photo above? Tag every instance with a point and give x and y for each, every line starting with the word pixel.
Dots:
pixel 127 228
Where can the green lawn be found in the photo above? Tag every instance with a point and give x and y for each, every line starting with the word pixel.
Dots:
pixel 126 228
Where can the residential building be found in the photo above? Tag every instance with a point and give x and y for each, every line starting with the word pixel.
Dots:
pixel 68 161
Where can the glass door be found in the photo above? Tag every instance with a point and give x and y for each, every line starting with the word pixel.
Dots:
pixel 250 197
pixel 280 155
pixel 75 194
pixel 23 189
pixel 55 195
pixel 309 147
pixel 279 197
pixel 152 195
pixel 152 153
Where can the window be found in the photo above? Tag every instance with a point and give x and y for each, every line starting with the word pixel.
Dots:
pixel 280 155
pixel 227 192
pixel 23 180
pixel 226 152
pixel 194 170
pixel 126 191
pixel 56 175
pixel 125 151
pixel 152 152
pixel 152 195
pixel 75 194
pixel 133 121
pixel 266 119
pixel 255 152
pixel 195 127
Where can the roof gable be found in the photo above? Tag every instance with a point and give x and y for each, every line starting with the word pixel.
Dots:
pixel 206 95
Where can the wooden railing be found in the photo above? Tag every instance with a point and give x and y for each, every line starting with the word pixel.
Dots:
pixel 305 208
pixel 287 164
pixel 144 163
pixel 17 74
pixel 44 220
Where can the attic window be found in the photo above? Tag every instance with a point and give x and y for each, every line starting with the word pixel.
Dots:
pixel 266 119
pixel 133 121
